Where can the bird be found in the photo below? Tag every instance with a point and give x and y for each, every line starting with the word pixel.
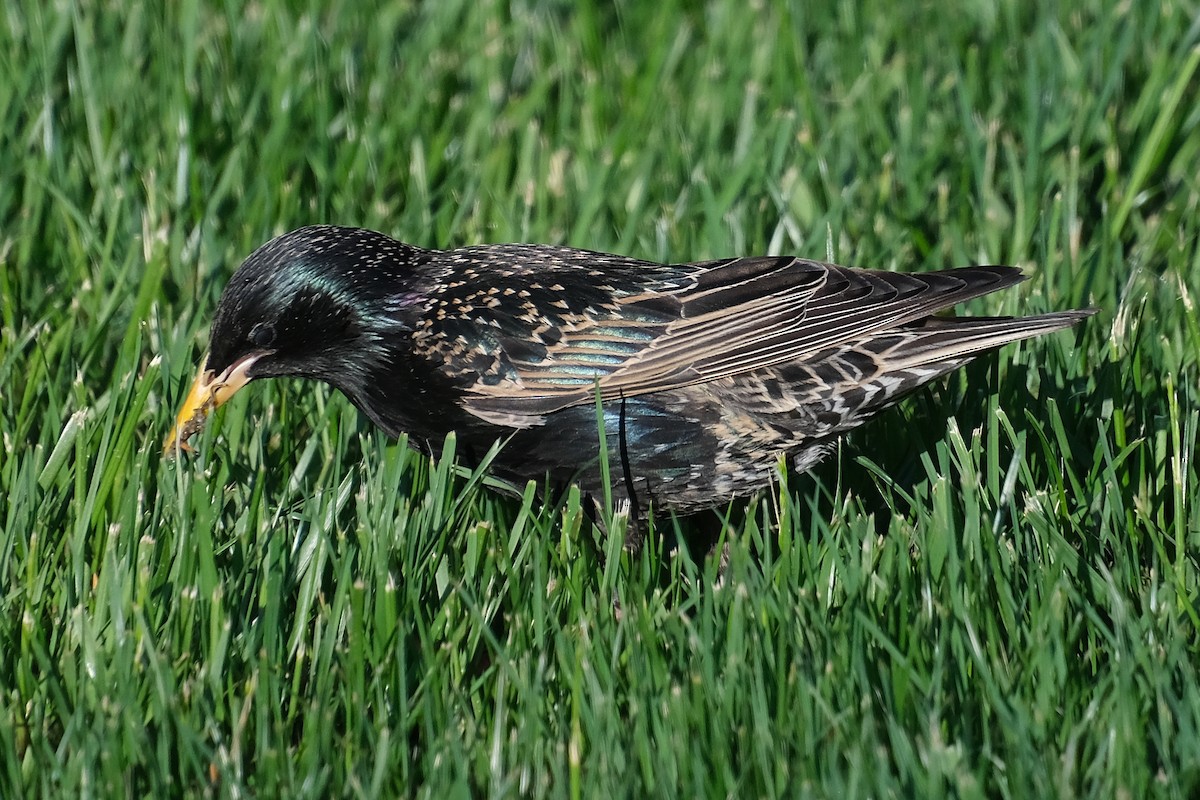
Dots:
pixel 703 375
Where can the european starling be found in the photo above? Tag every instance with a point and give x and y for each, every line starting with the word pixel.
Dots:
pixel 708 372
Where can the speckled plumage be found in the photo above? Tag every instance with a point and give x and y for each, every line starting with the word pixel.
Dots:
pixel 709 372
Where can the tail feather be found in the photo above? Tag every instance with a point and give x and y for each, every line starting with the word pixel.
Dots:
pixel 935 339
pixel 874 372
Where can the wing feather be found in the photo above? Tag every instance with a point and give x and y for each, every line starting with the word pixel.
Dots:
pixel 722 318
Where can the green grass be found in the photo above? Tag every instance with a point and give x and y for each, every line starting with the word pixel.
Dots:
pixel 991 591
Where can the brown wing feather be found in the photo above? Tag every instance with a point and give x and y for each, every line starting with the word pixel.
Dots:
pixel 731 317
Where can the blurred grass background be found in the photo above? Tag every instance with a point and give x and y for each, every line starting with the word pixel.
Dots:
pixel 991 591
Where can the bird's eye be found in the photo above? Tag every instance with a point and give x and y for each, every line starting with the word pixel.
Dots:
pixel 262 334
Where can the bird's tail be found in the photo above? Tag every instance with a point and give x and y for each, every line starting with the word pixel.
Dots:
pixel 935 339
pixel 873 372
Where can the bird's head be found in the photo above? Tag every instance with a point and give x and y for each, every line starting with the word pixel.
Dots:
pixel 320 302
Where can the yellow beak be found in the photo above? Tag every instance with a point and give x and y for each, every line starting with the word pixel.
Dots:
pixel 208 391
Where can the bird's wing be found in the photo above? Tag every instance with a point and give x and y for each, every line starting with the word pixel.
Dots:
pixel 706 322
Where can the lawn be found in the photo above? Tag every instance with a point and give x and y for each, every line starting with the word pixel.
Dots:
pixel 991 591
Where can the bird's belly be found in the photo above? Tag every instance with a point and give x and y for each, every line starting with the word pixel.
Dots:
pixel 684 450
